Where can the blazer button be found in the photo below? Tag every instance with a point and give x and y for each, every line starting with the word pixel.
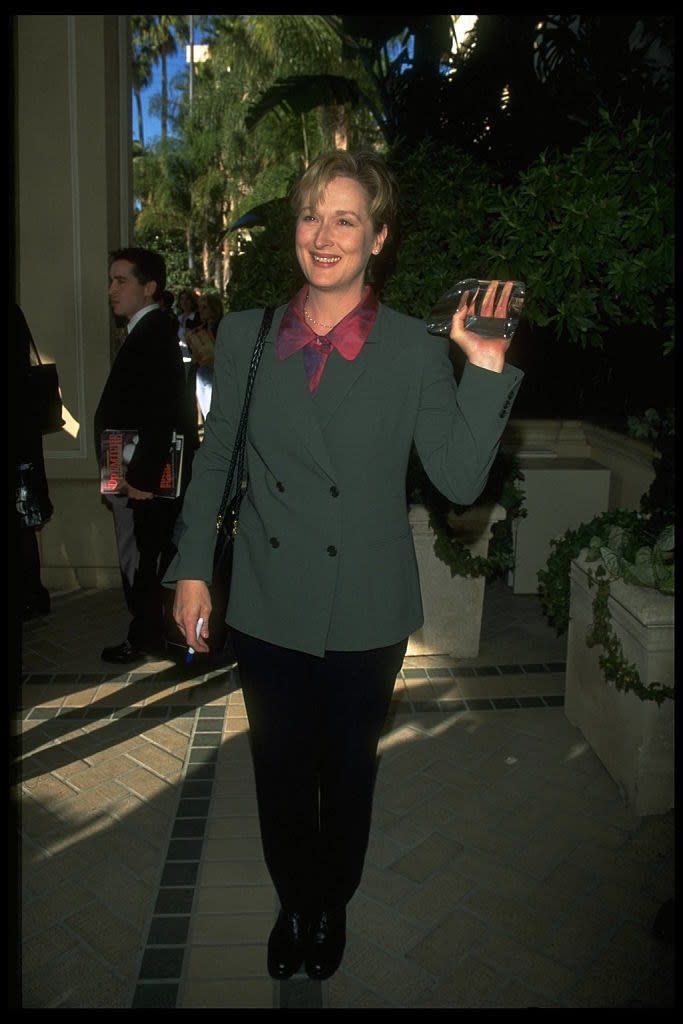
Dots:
pixel 334 491
pixel 274 542
pixel 332 551
pixel 280 486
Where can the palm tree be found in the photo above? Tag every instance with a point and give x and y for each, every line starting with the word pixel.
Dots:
pixel 242 165
pixel 164 33
pixel 143 62
pixel 394 67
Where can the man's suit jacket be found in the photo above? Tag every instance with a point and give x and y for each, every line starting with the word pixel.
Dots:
pixel 324 557
pixel 146 390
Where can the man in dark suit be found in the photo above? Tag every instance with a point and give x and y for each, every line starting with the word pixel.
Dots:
pixel 145 390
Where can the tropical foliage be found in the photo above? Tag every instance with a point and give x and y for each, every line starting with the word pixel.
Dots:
pixel 275 89
pixel 528 149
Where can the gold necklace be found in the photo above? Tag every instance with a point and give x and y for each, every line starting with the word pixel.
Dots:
pixel 310 319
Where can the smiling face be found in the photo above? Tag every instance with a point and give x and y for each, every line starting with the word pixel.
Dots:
pixel 335 241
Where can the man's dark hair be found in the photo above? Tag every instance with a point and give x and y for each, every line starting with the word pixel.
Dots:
pixel 147 266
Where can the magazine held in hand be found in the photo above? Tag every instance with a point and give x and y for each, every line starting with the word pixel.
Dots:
pixel 118 447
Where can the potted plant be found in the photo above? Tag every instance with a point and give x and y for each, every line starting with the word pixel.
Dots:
pixel 458 549
pixel 610 584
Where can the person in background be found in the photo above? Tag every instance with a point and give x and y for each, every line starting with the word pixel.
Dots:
pixel 145 390
pixel 325 589
pixel 32 498
pixel 188 317
pixel 210 308
pixel 201 342
pixel 166 302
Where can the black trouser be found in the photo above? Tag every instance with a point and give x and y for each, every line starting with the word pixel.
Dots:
pixel 315 724
pixel 143 538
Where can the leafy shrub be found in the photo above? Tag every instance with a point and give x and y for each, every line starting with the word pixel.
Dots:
pixel 591 234
pixel 554 580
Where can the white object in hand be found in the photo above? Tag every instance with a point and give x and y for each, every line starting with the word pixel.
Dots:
pixel 190 650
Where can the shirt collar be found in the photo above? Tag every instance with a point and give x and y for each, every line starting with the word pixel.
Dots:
pixel 348 336
pixel 137 317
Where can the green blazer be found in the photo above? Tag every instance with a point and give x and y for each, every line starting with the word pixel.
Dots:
pixel 324 556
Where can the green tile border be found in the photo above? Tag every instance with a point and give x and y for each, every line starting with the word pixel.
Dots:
pixel 400 704
pixel 163 957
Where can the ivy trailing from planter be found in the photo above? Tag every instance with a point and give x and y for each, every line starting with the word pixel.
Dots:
pixel 616 669
pixel 553 581
pixel 626 545
pixel 501 488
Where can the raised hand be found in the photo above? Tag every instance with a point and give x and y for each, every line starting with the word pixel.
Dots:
pixel 485 351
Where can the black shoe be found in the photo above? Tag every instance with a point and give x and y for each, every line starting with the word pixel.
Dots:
pixel 123 654
pixel 287 944
pixel 326 944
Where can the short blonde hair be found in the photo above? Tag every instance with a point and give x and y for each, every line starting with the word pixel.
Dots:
pixel 366 167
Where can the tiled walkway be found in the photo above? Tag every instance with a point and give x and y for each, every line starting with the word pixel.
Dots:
pixel 503 871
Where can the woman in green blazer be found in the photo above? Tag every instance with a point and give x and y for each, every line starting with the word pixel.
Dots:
pixel 325 588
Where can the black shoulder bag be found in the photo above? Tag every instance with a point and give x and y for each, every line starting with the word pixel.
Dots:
pixel 44 394
pixel 228 513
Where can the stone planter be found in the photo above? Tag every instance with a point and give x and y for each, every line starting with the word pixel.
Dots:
pixel 452 604
pixel 633 738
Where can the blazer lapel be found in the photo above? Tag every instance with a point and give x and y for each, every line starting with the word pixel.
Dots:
pixel 338 379
pixel 282 384
pixel 341 376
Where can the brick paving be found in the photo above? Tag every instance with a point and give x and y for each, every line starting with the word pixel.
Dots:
pixel 504 870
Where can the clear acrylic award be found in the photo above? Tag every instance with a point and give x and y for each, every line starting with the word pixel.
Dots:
pixel 492 312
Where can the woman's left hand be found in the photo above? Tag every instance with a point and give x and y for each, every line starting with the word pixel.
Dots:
pixel 488 353
pixel 192 602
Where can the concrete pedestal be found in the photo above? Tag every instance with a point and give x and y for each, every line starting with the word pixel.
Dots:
pixel 452 604
pixel 560 494
pixel 633 738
